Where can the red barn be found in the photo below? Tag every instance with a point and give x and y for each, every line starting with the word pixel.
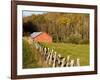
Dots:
pixel 41 37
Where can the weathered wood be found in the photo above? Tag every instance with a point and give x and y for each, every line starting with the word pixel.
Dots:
pixel 63 62
pixel 54 62
pixel 52 59
pixel 78 62
pixel 72 63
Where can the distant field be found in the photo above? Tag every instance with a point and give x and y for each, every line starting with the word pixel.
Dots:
pixel 80 51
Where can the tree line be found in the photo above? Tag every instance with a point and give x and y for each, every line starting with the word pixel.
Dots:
pixel 63 27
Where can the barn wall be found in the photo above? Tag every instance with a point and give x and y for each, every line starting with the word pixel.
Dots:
pixel 43 38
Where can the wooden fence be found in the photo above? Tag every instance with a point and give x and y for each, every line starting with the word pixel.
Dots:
pixel 55 60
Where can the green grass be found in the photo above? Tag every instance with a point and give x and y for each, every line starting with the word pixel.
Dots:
pixel 32 59
pixel 80 51
pixel 29 60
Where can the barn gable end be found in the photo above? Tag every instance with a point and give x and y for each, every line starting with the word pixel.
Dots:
pixel 41 37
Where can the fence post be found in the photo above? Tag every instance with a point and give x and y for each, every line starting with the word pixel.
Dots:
pixel 78 62
pixel 48 56
pixel 59 59
pixel 63 62
pixel 68 61
pixel 54 62
pixel 50 60
pixel 72 63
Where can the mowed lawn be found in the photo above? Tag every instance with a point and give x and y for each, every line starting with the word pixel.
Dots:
pixel 80 51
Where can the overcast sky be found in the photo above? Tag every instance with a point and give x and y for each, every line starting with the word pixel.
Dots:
pixel 29 13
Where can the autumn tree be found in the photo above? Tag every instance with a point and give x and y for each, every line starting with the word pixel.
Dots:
pixel 63 27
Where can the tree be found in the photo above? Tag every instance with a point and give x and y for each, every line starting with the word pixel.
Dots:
pixel 61 26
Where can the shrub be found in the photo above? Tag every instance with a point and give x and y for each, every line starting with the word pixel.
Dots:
pixel 74 38
pixel 85 41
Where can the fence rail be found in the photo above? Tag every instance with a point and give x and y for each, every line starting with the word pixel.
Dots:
pixel 55 60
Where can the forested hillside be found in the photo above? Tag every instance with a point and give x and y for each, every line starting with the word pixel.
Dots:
pixel 63 27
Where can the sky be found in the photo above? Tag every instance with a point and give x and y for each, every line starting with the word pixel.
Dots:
pixel 29 13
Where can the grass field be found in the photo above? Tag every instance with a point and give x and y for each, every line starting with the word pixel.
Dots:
pixel 80 51
pixel 33 59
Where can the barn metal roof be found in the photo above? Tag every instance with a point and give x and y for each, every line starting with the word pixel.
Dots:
pixel 35 34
